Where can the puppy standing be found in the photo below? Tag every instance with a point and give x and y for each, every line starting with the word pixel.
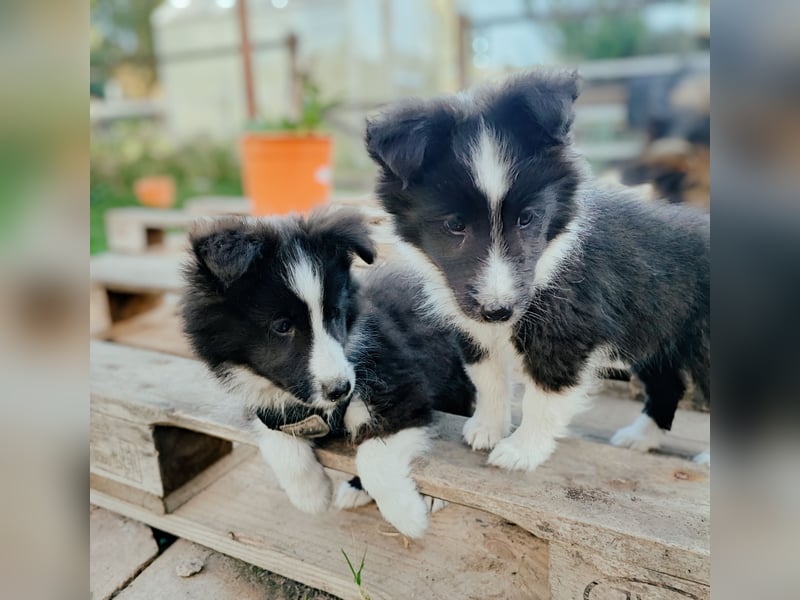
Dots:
pixel 545 273
pixel 272 309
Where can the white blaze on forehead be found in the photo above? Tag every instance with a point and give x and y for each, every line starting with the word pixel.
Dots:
pixel 490 167
pixel 305 281
pixel 327 363
pixel 497 284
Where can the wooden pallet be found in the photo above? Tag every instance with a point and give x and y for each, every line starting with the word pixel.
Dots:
pixel 137 229
pixel 593 522
pixel 239 205
pixel 159 329
pixel 123 286
pixel 217 205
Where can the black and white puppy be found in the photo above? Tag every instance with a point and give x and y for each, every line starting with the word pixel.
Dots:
pixel 546 273
pixel 272 309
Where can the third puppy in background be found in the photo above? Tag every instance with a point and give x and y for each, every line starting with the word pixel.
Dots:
pixel 543 270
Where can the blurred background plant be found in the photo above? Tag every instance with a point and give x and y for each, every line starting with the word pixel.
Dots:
pixel 176 83
pixel 313 112
pixel 129 150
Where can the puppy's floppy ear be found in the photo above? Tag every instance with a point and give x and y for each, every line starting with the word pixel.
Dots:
pixel 344 229
pixel 538 106
pixel 227 249
pixel 401 139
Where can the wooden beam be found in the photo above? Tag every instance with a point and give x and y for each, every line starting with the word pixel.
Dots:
pixel 649 510
pixel 466 554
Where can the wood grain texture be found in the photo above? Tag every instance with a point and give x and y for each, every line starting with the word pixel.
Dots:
pixel 137 274
pixel 157 329
pixel 577 572
pixel 133 229
pixel 466 554
pixel 160 330
pixel 217 205
pixel 648 509
pixel 219 577
pixel 99 311
pixel 118 550
pixel 123 450
pixel 145 462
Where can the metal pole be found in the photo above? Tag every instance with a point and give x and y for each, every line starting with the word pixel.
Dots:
pixel 247 60
pixel 295 79
pixel 464 50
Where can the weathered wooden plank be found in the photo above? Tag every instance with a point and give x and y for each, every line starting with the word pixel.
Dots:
pixel 118 550
pixel 99 311
pixel 160 330
pixel 133 229
pixel 144 462
pixel 137 274
pixel 653 510
pixel 577 572
pixel 219 576
pixel 157 329
pixel 205 478
pixel 218 205
pixel 466 554
pixel 123 450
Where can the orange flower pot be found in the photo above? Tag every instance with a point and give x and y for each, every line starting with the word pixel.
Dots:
pixel 157 191
pixel 286 173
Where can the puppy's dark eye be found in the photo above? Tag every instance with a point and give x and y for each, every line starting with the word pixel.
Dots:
pixel 526 217
pixel 281 326
pixel 454 226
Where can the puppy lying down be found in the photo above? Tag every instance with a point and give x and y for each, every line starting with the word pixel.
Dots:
pixel 273 310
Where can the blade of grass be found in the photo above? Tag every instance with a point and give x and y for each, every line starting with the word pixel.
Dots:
pixel 356 576
pixel 361 567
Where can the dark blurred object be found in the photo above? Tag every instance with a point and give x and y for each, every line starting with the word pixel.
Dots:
pixel 755 291
pixel 675 112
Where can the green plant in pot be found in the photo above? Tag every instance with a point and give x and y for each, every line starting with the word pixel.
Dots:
pixel 287 164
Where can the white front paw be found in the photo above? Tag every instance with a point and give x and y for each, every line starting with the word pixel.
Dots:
pixel 642 435
pixel 310 493
pixel 408 512
pixel 483 434
pixel 349 497
pixel 516 453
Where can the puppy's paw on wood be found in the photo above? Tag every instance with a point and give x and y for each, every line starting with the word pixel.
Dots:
pixel 642 435
pixel 348 496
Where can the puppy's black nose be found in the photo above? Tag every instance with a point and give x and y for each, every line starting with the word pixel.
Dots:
pixel 496 313
pixel 337 390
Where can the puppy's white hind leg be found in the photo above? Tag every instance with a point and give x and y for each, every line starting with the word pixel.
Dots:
pixel 642 435
pixel 545 417
pixel 491 421
pixel 384 465
pixel 296 467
